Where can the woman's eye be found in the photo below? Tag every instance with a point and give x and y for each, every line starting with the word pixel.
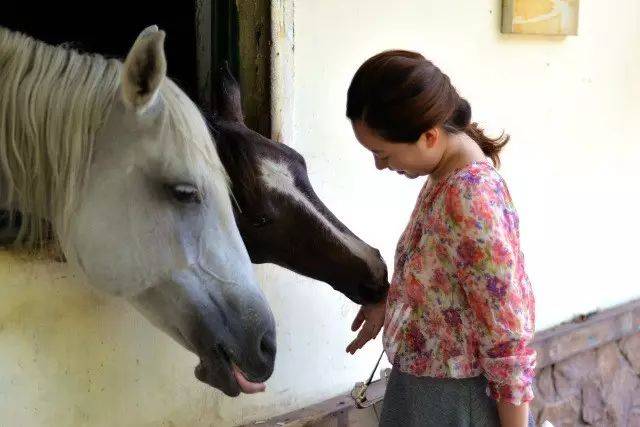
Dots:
pixel 186 193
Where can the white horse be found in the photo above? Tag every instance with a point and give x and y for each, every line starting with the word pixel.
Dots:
pixel 121 164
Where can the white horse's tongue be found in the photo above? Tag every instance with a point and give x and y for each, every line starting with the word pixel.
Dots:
pixel 245 385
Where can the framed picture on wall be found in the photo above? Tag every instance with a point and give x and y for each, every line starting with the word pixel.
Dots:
pixel 550 17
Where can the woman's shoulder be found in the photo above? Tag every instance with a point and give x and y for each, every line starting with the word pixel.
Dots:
pixel 477 183
pixel 477 177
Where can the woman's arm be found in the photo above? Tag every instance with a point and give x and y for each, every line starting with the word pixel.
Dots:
pixel 484 254
pixel 513 415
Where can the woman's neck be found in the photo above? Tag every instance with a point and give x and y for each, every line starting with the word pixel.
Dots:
pixel 460 151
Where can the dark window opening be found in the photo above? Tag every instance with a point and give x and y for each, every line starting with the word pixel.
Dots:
pixel 111 28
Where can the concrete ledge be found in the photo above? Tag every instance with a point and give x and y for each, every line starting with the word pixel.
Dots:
pixel 586 332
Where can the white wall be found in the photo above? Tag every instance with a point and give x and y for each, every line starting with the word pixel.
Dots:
pixel 571 105
pixel 71 357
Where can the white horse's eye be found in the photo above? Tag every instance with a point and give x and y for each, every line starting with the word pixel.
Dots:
pixel 186 193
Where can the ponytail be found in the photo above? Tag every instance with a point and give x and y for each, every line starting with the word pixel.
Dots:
pixel 460 121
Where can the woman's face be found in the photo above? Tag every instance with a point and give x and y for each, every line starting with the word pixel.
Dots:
pixel 411 159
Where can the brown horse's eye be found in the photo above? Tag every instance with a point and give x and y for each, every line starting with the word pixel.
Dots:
pixel 186 193
pixel 261 221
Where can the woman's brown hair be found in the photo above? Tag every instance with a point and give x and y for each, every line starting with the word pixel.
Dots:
pixel 400 94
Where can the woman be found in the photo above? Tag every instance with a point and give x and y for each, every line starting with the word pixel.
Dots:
pixel 460 311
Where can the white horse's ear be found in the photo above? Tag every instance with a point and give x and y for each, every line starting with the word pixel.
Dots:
pixel 144 69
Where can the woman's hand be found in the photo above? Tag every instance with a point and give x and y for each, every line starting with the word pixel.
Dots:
pixel 371 317
pixel 513 415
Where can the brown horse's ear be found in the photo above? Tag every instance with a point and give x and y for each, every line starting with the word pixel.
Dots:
pixel 228 101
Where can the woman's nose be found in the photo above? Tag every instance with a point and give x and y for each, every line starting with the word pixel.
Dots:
pixel 380 164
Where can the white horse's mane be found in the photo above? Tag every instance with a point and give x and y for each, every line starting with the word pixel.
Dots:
pixel 53 101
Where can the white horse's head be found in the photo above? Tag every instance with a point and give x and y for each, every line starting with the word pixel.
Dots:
pixel 155 225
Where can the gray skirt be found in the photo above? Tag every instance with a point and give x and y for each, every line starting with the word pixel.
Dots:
pixel 412 401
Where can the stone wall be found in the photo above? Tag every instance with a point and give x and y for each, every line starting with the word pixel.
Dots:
pixel 599 387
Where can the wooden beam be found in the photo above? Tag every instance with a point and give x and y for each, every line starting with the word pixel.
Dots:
pixel 254 49
pixel 282 70
pixel 239 32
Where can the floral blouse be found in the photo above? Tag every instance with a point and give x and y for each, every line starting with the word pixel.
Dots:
pixel 460 303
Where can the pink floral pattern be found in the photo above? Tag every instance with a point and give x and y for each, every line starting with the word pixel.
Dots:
pixel 460 302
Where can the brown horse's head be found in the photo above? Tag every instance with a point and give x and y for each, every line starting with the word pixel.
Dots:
pixel 280 217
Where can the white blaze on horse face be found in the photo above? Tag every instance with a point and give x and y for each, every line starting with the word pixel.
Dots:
pixel 278 177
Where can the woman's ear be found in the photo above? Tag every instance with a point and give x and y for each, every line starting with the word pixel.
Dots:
pixel 431 137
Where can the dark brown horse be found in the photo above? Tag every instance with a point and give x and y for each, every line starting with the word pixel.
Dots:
pixel 280 217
